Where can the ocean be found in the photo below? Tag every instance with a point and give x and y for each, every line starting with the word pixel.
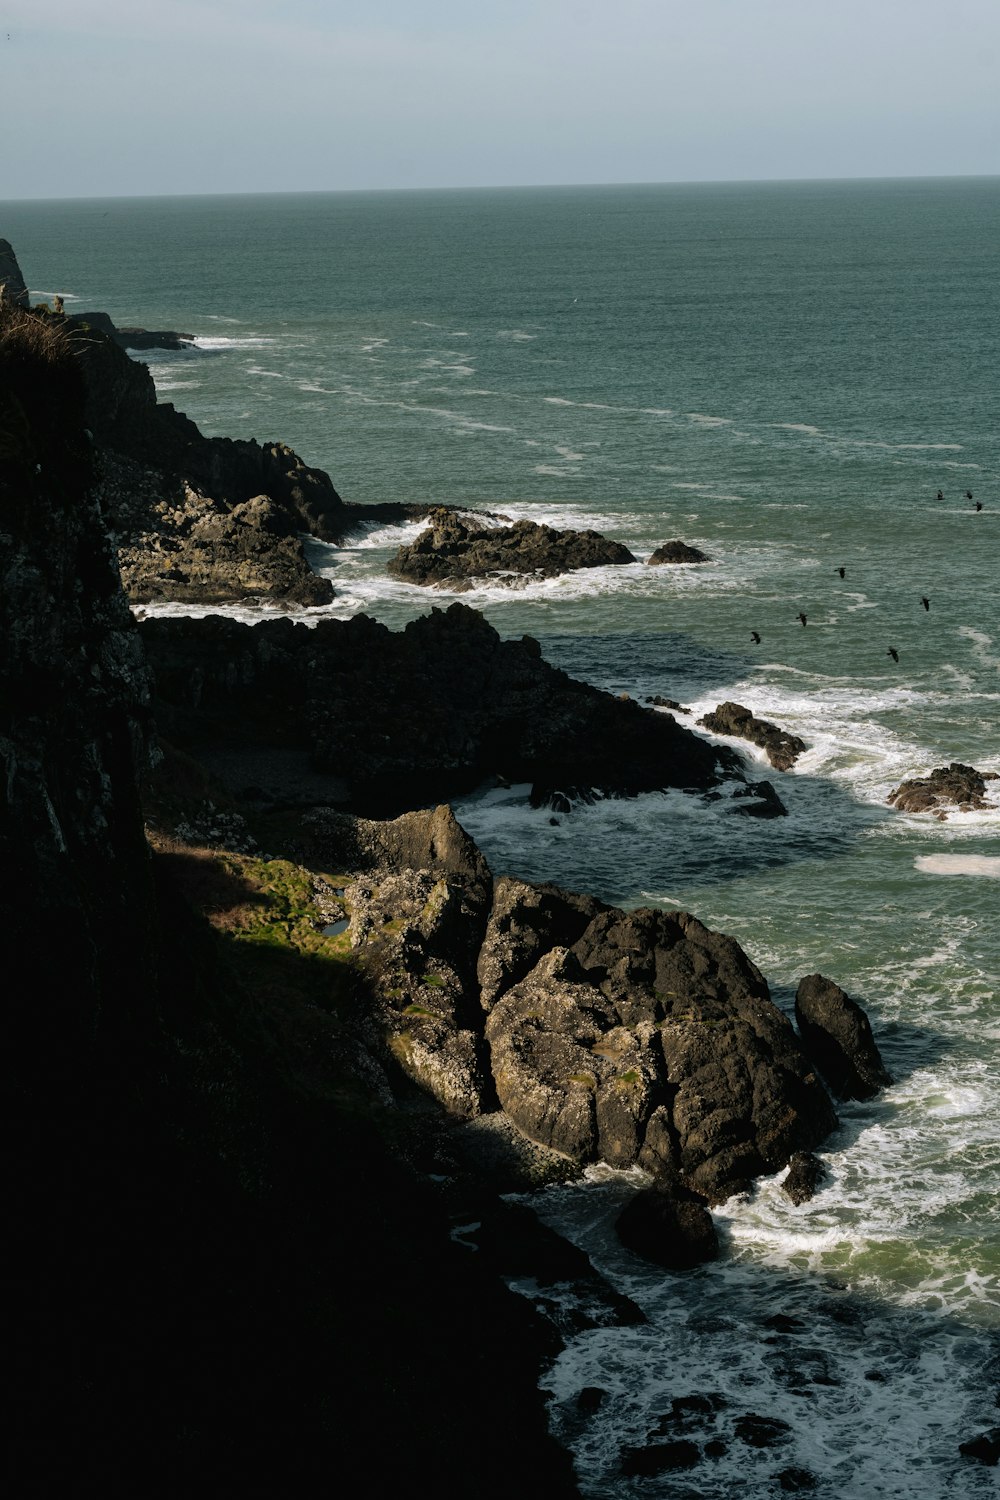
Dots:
pixel 797 378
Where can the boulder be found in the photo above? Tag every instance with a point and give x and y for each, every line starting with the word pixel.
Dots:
pixel 652 1040
pixel 526 921
pixel 984 1449
pixel 805 1173
pixel 455 549
pixel 837 1035
pixel 669 1226
pixel 676 552
pixel 959 786
pixel 782 749
pixel 659 1458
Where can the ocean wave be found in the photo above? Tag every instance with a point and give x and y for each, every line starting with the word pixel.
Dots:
pixel 959 864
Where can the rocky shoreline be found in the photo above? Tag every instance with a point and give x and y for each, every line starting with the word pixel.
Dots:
pixel 302 1027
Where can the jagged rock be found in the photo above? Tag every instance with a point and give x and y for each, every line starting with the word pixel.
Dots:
pixel 837 1035
pixel 672 1228
pixel 417 715
pixel 12 287
pixel 526 922
pixel 782 748
pixel 455 549
pixel 949 786
pixel 676 552
pixel 758 799
pixel 653 1040
pixel 805 1174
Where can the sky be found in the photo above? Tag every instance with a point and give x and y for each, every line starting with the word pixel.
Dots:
pixel 103 98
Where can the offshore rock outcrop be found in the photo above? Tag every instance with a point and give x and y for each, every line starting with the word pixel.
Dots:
pixel 455 550
pixel 782 749
pixel 12 287
pixel 676 552
pixel 838 1037
pixel 955 786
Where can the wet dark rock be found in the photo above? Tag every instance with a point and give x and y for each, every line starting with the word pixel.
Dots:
pixel 837 1035
pixel 956 786
pixel 762 1432
pixel 689 1412
pixel 672 1229
pixel 758 799
pixel 805 1173
pixel 676 552
pixel 984 1449
pixel 670 703
pixel 783 1323
pixel 716 1448
pixel 590 1398
pixel 782 748
pixel 877 1377
pixel 660 1458
pixel 455 549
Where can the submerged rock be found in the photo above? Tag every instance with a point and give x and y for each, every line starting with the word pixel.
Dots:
pixel 455 549
pixel 956 785
pixel 837 1035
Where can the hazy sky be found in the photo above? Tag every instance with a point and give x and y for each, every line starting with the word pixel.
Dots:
pixel 104 97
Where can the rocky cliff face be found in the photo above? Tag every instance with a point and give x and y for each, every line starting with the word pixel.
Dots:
pixel 221 1273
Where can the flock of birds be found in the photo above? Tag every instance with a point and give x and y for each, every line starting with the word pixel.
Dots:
pixel 803 618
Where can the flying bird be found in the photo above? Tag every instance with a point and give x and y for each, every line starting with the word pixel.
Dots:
pixel 979 505
pixel 925 601
pixel 841 571
pixel 968 494
pixel 893 653
pixel 940 494
pixel 755 637
pixel 802 618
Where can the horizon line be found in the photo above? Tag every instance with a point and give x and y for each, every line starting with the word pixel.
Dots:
pixel 509 187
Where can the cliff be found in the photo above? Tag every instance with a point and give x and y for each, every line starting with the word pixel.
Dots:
pixel 223 1274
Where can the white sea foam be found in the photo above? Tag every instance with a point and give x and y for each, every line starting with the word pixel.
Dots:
pixel 217 342
pixel 958 864
pixel 706 421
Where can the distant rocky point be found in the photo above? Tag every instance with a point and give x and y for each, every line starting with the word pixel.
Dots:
pixel 134 338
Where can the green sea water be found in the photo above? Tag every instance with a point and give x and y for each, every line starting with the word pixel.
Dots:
pixel 785 375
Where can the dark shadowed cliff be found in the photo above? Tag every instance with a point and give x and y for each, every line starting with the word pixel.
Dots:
pixel 222 1276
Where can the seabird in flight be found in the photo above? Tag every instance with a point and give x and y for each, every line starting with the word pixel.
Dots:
pixel 893 653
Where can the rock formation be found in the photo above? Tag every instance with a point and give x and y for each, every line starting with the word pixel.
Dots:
pixel 455 549
pixel 421 714
pixel 676 552
pixel 836 1034
pixel 958 786
pixel 782 749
